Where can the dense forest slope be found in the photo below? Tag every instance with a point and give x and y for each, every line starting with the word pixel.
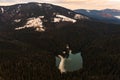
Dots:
pixel 30 56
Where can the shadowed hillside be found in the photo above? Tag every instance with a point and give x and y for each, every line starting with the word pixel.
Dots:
pixel 31 55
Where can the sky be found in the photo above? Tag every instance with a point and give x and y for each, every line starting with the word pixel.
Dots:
pixel 73 4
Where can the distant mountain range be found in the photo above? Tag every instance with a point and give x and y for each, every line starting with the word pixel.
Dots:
pixel 106 15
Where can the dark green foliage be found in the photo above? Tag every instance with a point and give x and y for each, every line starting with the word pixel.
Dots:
pixel 28 55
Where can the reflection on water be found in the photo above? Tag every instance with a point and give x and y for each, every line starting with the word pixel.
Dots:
pixel 72 63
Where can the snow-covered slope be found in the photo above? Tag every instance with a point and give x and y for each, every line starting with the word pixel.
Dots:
pixel 30 15
pixel 33 22
pixel 117 17
pixel 64 18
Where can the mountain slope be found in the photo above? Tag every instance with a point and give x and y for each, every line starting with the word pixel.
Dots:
pixel 106 15
pixel 21 16
pixel 27 55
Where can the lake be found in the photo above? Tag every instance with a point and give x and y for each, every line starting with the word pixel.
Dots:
pixel 73 63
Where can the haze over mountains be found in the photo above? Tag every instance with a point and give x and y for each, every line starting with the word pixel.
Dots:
pixel 106 15
pixel 33 34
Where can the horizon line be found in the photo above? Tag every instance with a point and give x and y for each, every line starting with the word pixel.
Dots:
pixel 11 4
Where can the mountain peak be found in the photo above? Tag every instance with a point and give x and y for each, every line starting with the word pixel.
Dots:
pixel 23 14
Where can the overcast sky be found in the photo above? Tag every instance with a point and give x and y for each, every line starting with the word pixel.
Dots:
pixel 73 4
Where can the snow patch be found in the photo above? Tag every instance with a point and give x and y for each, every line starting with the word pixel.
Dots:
pixel 88 11
pixel 19 6
pixel 17 20
pixel 117 17
pixel 2 10
pixel 49 6
pixel 41 16
pixel 77 16
pixel 57 19
pixel 39 4
pixel 64 18
pixel 69 12
pixel 54 13
pixel 33 22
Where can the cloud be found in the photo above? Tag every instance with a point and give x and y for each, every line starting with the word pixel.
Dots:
pixel 73 4
pixel 90 4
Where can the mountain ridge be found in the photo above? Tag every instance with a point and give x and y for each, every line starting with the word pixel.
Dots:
pixel 21 14
pixel 105 15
